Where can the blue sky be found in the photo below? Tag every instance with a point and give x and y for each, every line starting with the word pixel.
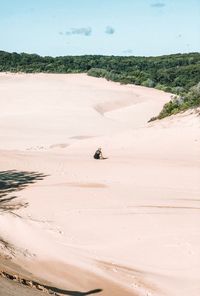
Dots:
pixel 111 27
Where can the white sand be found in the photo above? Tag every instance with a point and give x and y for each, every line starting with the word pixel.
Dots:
pixel 129 225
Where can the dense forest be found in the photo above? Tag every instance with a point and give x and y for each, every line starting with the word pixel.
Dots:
pixel 177 73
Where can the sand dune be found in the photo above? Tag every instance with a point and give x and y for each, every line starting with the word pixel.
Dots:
pixel 128 225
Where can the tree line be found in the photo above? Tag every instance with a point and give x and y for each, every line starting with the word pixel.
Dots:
pixel 176 73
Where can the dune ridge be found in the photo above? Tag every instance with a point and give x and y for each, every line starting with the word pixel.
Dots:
pixel 128 225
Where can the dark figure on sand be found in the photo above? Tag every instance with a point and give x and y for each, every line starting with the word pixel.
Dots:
pixel 98 154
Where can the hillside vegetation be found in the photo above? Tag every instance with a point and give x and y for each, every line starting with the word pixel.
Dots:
pixel 177 73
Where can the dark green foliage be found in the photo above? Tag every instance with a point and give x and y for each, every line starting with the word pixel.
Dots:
pixel 109 75
pixel 168 73
pixel 184 101
pixel 176 73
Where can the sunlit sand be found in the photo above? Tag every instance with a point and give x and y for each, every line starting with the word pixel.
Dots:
pixel 128 225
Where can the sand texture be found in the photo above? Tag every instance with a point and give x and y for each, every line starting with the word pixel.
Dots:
pixel 127 225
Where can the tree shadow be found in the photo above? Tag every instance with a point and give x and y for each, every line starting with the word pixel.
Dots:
pixel 72 293
pixel 13 181
pixel 47 289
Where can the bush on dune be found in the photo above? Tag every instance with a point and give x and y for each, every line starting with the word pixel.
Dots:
pixel 181 102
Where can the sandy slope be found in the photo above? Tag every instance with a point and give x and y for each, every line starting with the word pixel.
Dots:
pixel 128 225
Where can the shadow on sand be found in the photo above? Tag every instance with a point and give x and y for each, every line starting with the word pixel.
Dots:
pixel 13 181
pixel 47 289
pixel 73 293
